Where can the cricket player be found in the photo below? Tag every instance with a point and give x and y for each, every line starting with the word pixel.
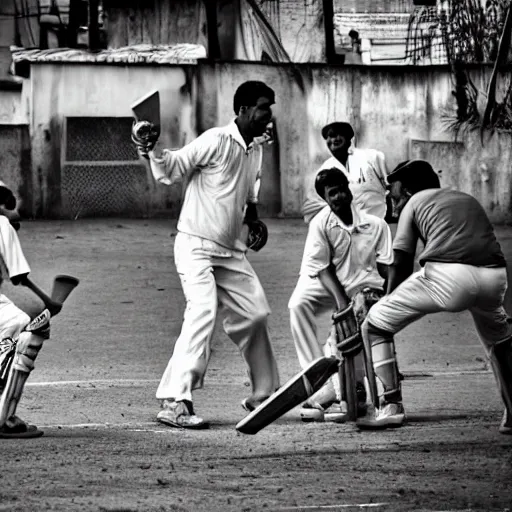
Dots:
pixel 13 326
pixel 359 246
pixel 365 169
pixel 220 169
pixel 463 268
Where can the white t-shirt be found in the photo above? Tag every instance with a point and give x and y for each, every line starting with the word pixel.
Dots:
pixel 353 250
pixel 221 174
pixel 12 259
pixel 367 175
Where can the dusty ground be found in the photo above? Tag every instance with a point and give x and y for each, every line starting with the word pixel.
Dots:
pixel 93 393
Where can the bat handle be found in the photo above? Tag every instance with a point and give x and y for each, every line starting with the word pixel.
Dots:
pixel 53 307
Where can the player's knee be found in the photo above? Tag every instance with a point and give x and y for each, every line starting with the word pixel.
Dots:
pixel 375 334
pixel 259 317
pixel 15 325
pixel 299 306
pixel 27 349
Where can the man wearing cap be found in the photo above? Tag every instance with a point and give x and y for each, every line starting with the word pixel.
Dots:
pixel 462 268
pixel 365 169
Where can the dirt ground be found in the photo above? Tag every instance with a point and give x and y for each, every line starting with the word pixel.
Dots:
pixel 93 394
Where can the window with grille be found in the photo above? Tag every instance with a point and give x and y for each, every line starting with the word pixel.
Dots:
pixel 102 174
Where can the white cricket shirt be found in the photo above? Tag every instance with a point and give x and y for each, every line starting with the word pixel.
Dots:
pixel 367 176
pixel 354 250
pixel 13 261
pixel 220 172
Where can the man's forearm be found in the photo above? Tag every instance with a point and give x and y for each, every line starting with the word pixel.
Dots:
pixel 396 276
pixel 331 283
pixel 168 166
pixel 400 270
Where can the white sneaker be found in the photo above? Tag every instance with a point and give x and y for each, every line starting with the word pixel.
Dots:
pixel 335 412
pixel 391 415
pixel 506 423
pixel 181 415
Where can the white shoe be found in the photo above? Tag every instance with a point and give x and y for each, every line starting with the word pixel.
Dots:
pixel 335 412
pixel 181 415
pixel 391 415
pixel 506 423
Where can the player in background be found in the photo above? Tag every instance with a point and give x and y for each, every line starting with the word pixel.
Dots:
pixel 13 322
pixel 462 268
pixel 366 172
pixel 365 169
pixel 359 247
pixel 220 169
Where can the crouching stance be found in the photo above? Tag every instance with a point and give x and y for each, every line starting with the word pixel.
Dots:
pixel 463 268
pixel 356 247
pixel 20 339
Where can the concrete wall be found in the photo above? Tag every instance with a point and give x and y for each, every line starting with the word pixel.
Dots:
pixel 14 105
pixel 61 91
pixel 400 111
pixel 397 110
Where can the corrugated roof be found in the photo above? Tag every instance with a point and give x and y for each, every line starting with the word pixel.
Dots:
pixel 138 54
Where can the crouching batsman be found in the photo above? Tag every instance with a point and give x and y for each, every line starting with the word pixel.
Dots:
pixel 462 268
pixel 21 337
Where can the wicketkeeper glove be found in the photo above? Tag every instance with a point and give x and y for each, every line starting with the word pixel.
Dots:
pixel 257 236
pixel 349 341
pixel 145 135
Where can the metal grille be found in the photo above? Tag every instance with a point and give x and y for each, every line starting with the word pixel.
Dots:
pixel 104 190
pixel 102 174
pixel 425 38
pixel 99 139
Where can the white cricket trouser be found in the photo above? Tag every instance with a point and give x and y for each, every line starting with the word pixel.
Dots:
pixel 451 287
pixel 12 319
pixel 210 282
pixel 309 300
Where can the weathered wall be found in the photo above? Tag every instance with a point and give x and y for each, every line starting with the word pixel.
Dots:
pixel 15 166
pixel 14 105
pixel 300 25
pixel 397 110
pixel 102 91
pixel 389 108
pixel 155 22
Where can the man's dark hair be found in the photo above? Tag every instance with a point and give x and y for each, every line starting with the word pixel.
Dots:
pixel 415 175
pixel 329 178
pixel 248 93
pixel 344 129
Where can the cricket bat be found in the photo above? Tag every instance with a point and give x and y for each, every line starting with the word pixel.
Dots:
pixel 147 108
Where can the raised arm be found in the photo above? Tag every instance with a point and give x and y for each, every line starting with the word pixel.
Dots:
pixel 171 166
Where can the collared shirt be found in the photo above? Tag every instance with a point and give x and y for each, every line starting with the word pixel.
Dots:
pixel 453 226
pixel 221 174
pixel 367 175
pixel 354 250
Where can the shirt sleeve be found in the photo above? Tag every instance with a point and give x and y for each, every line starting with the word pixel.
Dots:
pixel 175 165
pixel 406 237
pixel 11 253
pixel 317 249
pixel 384 249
